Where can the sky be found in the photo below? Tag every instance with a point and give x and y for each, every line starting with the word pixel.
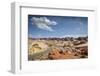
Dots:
pixel 43 26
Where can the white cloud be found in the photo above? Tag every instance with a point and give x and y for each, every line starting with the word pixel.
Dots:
pixel 43 23
pixel 67 36
pixel 78 35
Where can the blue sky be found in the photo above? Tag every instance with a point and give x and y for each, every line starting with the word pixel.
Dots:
pixel 41 26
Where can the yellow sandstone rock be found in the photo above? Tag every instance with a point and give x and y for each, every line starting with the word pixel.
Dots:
pixel 37 47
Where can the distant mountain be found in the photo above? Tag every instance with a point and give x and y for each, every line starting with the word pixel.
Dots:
pixel 64 38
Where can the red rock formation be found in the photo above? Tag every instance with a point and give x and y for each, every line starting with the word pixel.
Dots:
pixel 58 54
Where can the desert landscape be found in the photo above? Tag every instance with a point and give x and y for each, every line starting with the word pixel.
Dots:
pixel 57 48
pixel 57 37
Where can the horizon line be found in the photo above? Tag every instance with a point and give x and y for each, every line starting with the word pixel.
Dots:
pixel 58 37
